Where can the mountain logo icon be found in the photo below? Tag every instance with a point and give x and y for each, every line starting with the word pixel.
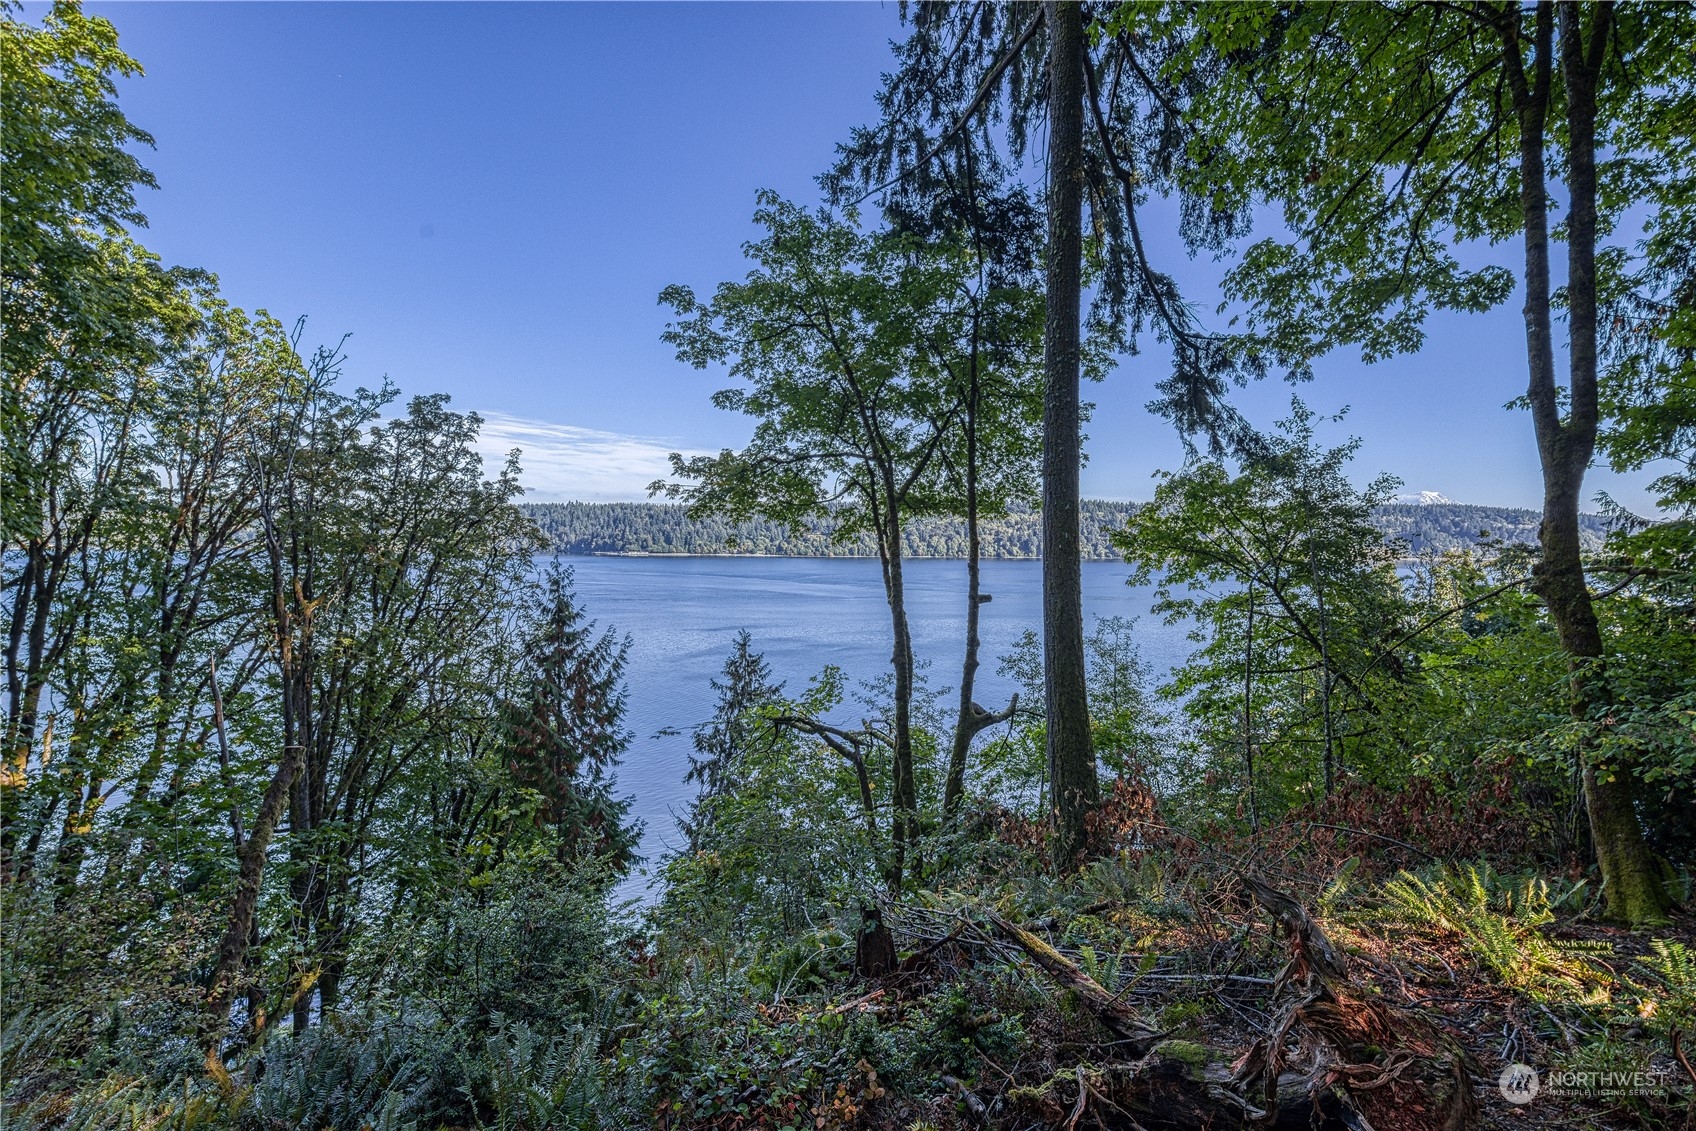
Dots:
pixel 1519 1083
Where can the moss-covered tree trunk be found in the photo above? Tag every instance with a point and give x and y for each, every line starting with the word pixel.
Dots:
pixel 1565 446
pixel 244 907
pixel 904 824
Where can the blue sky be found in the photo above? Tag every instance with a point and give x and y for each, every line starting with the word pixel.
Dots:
pixel 489 198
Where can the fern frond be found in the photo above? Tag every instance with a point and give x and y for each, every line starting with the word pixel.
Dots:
pixel 1498 919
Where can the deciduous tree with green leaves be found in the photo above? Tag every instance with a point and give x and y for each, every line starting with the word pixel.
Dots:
pixel 1390 134
pixel 985 346
pixel 86 315
pixel 1294 591
pixel 974 83
pixel 849 345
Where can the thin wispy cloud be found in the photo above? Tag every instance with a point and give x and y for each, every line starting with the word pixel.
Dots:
pixel 563 461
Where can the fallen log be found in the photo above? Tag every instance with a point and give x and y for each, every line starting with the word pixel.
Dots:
pixel 1164 1092
pixel 1334 1058
pixel 1117 1017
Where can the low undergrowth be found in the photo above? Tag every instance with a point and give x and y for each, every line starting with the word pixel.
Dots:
pixel 1443 976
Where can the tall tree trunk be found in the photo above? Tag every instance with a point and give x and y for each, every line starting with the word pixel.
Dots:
pixel 304 869
pixel 1071 752
pixel 330 986
pixel 26 679
pixel 232 951
pixel 1565 447
pixel 971 719
pixel 965 723
pixel 1324 672
pixel 904 823
pixel 37 626
pixel 1248 713
pixel 1632 890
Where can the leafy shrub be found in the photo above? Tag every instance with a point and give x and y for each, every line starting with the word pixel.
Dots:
pixel 710 1056
pixel 530 946
pixel 131 970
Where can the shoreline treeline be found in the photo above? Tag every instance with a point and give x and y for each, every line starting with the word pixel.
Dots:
pixel 581 528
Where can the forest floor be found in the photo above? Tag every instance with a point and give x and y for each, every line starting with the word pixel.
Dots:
pixel 1393 1003
pixel 1410 1029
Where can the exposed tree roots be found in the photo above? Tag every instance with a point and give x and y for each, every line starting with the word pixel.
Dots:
pixel 1333 1057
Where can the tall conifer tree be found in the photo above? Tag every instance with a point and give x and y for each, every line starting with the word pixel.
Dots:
pixel 565 735
pixel 744 686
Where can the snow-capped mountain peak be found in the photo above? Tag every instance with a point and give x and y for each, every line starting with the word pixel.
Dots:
pixel 1423 498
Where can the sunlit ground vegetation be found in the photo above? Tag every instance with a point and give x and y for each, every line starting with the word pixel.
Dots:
pixel 310 808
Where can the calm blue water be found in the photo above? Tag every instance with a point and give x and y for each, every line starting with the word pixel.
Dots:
pixel 681 615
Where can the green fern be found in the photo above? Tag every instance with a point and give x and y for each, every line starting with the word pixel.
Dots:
pixel 1674 966
pixel 1337 890
pixel 28 1035
pixel 125 1103
pixel 1499 921
pixel 535 1081
pixel 330 1077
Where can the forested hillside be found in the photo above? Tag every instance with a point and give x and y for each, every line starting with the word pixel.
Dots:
pixel 1440 527
pixel 311 816
pixel 667 528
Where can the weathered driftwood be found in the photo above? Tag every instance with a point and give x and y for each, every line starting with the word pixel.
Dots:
pixel 976 1110
pixel 1116 1016
pixel 1309 946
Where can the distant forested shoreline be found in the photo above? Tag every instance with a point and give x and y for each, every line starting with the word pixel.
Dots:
pixel 667 528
